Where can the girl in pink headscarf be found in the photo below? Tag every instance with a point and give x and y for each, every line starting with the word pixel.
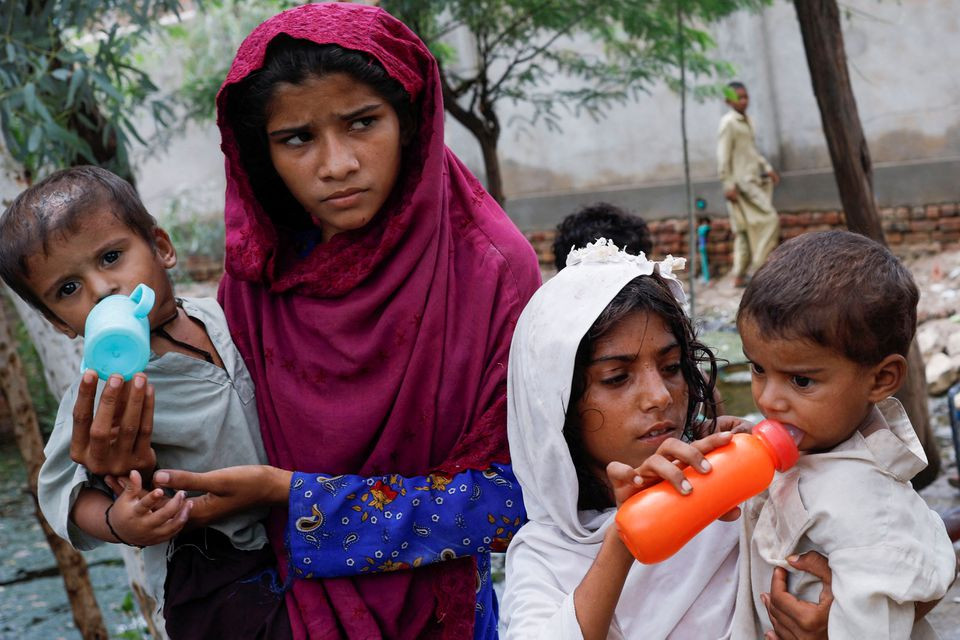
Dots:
pixel 372 286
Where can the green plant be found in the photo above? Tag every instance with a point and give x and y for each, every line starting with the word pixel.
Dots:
pixel 68 81
pixel 193 234
pixel 536 52
pixel 134 627
pixel 212 39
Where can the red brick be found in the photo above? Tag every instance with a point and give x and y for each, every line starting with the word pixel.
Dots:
pixel 833 217
pixel 933 211
pixel 916 238
pixel 948 223
pixel 923 225
pixel 792 232
pixel 894 238
pixel 948 210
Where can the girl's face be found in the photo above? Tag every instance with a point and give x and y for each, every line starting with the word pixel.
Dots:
pixel 336 144
pixel 635 396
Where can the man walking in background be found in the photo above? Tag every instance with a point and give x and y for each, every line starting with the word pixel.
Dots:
pixel 748 181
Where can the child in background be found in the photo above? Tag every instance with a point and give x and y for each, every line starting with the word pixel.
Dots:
pixel 703 233
pixel 604 379
pixel 826 324
pixel 66 243
pixel 601 220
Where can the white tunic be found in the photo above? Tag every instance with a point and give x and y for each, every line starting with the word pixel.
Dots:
pixel 854 504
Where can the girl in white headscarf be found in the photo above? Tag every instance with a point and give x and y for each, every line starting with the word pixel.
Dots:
pixel 607 338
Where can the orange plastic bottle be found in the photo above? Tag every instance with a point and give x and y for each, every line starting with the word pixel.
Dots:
pixel 656 522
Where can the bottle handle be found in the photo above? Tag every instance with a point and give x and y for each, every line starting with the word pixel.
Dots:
pixel 144 298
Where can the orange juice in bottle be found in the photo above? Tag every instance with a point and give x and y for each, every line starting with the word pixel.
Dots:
pixel 656 522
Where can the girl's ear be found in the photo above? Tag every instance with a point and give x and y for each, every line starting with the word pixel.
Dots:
pixel 166 253
pixel 888 376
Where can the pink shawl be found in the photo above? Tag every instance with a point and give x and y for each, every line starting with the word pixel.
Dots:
pixel 385 349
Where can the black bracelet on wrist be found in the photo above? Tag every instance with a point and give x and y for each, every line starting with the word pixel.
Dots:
pixel 106 517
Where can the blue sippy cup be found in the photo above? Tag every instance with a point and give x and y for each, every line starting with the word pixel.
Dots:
pixel 117 334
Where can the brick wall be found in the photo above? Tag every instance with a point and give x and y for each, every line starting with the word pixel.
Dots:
pixel 910 232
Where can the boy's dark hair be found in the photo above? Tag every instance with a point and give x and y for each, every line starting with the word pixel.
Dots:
pixel 601 220
pixel 58 203
pixel 292 61
pixel 837 289
pixel 650 294
pixel 736 84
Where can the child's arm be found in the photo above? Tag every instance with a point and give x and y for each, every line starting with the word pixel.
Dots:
pixel 595 598
pixel 136 517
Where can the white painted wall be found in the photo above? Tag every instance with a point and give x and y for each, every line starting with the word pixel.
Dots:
pixel 903 56
pixel 904 59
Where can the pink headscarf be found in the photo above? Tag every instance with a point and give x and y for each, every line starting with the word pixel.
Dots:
pixel 385 349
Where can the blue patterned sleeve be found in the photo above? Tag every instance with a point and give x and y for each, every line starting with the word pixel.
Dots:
pixel 348 525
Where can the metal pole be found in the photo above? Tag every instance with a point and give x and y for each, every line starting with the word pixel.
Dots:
pixel 691 222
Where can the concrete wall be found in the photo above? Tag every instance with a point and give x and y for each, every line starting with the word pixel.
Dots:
pixel 902 56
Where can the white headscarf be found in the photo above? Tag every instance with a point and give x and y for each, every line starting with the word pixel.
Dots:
pixel 541 369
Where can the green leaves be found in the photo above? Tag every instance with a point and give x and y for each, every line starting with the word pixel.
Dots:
pixel 211 39
pixel 68 84
pixel 582 56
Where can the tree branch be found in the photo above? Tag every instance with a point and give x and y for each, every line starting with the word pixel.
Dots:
pixel 518 60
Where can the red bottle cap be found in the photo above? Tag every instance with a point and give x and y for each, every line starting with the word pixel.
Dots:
pixel 779 442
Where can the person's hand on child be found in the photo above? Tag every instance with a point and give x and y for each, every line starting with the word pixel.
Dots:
pixel 116 439
pixel 791 617
pixel 733 424
pixel 671 457
pixel 230 490
pixel 143 518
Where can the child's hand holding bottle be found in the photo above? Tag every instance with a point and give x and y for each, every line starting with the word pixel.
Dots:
pixel 667 464
pixel 657 523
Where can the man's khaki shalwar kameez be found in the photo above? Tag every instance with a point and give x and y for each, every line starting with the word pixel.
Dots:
pixel 753 220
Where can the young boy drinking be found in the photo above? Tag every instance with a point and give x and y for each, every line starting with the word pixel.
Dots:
pixel 826 324
pixel 67 242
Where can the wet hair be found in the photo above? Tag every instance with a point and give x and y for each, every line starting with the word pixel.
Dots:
pixel 601 220
pixel 650 294
pixel 58 204
pixel 292 61
pixel 837 289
